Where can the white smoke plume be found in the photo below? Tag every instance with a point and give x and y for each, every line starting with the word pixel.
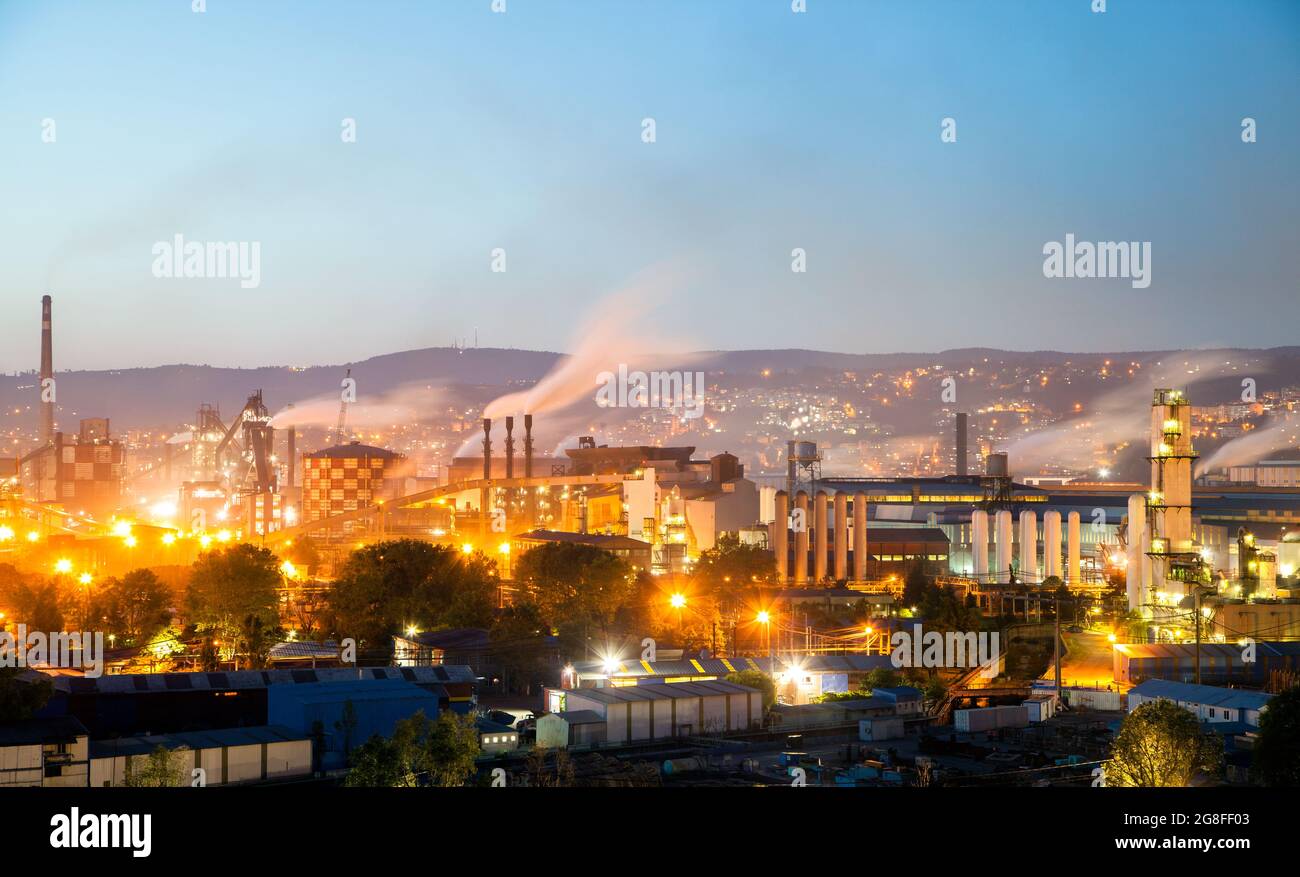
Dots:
pixel 621 329
pixel 1255 445
pixel 407 403
pixel 1123 415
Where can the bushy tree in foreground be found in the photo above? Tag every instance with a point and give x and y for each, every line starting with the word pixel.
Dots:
pixel 1161 744
pixel 421 752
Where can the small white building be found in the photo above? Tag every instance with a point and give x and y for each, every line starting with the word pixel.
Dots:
pixel 877 730
pixel 1041 708
pixel 1209 703
pixel 494 737
pixel 570 728
pixel 44 752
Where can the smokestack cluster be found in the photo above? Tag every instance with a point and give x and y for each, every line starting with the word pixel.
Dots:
pixel 47 372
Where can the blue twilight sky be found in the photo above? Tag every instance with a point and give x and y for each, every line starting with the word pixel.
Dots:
pixel 775 130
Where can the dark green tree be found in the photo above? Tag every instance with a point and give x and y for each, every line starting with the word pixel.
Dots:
pixel 1277 751
pixel 386 587
pixel 916 585
pixel 233 594
pixel 134 608
pixel 731 563
pixel 517 637
pixel 161 768
pixel 421 752
pixel 578 589
pixel 22 693
pixel 451 749
pixel 38 605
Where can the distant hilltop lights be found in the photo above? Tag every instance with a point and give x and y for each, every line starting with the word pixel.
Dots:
pixel 1084 259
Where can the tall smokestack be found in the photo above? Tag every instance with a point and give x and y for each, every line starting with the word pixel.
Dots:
pixel 292 451
pixel 487 448
pixel 961 442
pixel 528 446
pixel 47 372
pixel 781 535
pixel 528 468
pixel 510 447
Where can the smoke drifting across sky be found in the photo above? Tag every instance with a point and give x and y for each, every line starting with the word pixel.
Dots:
pixel 1283 432
pixel 1123 415
pixel 625 327
pixel 408 403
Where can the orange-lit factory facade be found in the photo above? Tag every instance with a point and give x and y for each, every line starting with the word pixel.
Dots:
pixel 349 477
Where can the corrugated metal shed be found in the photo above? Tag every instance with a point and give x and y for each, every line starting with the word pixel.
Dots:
pixel 142 745
pixel 663 691
pixel 1208 695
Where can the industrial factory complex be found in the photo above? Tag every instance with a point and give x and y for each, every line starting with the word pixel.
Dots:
pixel 1195 561
pixel 425 421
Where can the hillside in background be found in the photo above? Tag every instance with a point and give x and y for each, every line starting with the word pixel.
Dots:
pixel 169 395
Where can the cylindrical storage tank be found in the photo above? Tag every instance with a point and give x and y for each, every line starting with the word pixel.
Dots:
pixel 1137 519
pixel 781 535
pixel 1028 546
pixel 805 450
pixel 841 536
pixel 996 465
pixel 860 537
pixel 1073 570
pixel 979 545
pixel 822 526
pixel 1052 544
pixel 800 524
pixel 1003 571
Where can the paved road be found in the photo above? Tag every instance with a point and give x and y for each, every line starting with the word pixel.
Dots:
pixel 1087 660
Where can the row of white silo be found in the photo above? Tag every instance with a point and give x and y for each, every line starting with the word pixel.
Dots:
pixel 822 525
pixel 1004 546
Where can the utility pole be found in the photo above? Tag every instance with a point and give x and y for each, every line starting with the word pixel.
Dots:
pixel 1196 603
pixel 1056 644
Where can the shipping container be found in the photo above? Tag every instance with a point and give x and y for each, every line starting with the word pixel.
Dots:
pixel 990 718
pixel 875 730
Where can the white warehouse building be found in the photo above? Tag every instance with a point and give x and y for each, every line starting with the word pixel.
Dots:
pixel 659 710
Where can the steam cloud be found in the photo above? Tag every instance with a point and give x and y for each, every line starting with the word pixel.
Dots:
pixel 618 330
pixel 407 403
pixel 1117 417
pixel 1254 446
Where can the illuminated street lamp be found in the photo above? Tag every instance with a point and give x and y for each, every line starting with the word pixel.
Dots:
pixel 765 619
pixel 678 601
pixel 63 566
